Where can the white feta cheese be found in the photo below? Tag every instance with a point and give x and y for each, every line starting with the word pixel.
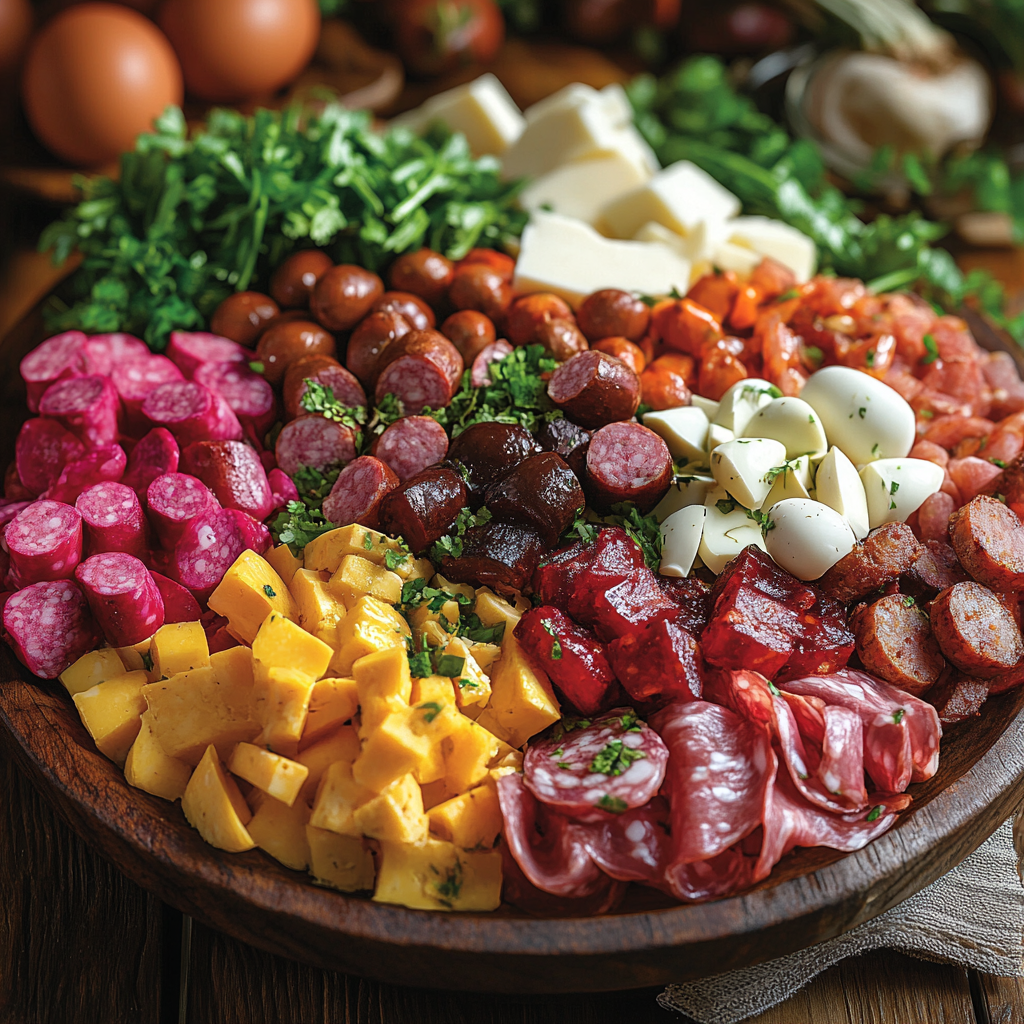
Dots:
pixel 683 491
pixel 774 238
pixel 727 531
pixel 684 430
pixel 838 485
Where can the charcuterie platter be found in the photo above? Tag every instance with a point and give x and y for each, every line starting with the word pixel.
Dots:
pixel 601 598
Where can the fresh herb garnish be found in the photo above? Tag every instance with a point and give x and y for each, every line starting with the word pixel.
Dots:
pixel 629 722
pixel 897 715
pixel 449 665
pixel 450 545
pixel 931 347
pixel 269 590
pixel 396 559
pixel 773 689
pixel 147 661
pixel 615 759
pixel 615 804
pixel 876 813
pixel 909 601
pixel 431 710
pixel 450 888
pixel 303 521
pixel 556 646
pixel 319 398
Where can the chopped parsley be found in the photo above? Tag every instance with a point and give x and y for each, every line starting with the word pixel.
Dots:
pixel 615 759
pixel 257 367
pixel 420 664
pixel 909 601
pixel 862 411
pixel 431 710
pixel 449 665
pixel 615 804
pixel 876 813
pixel 319 398
pixel 645 530
pixel 469 684
pixel 368 541
pixel 793 293
pixel 773 689
pixel 450 545
pixel 897 715
pixel 998 462
pixel 269 590
pixel 395 559
pixel 931 347
pixel 629 722
pixel 450 888
pixel 557 753
pixel 556 646
pixel 147 661
pixel 303 521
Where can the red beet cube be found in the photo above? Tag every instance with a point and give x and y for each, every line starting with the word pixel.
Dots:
pixel 626 607
pixel 660 663
pixel 693 597
pixel 824 643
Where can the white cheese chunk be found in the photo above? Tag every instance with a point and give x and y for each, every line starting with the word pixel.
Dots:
pixel 709 407
pixel 726 533
pixel 793 482
pixel 791 421
pixel 736 258
pixel 684 430
pixel 742 467
pixel 838 485
pixel 807 538
pixel 717 434
pixel 896 487
pixel 680 539
pixel 482 110
pixel 774 238
pixel 683 491
pixel 742 400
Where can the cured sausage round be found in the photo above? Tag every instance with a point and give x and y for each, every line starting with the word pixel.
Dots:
pixel 480 374
pixel 102 352
pixel 50 627
pixel 882 557
pixel 975 631
pixel 487 451
pixel 936 568
pixel 369 340
pixel 411 444
pixel 42 450
pixel 407 305
pixel 174 500
pixel 54 359
pixel 189 350
pixel 106 463
pixel 191 412
pixel 210 544
pixel 233 472
pixel 134 379
pixel 627 462
pixel 250 397
pixel 282 487
pixel 568 439
pixel 502 556
pixel 594 388
pixel 541 492
pixel 423 507
pixel 358 492
pixel 421 369
pixel 325 371
pixel 157 453
pixel 314 442
pixel 123 596
pixel 989 541
pixel 113 519
pixel 87 406
pixel 45 542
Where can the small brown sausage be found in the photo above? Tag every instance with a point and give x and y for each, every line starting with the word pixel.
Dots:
pixel 594 388
pixel 486 451
pixel 975 631
pixel 613 313
pixel 344 295
pixel 233 471
pixel 324 370
pixel 470 332
pixel 935 569
pixel 881 558
pixel 365 344
pixel 424 273
pixel 423 508
pixel 567 439
pixel 665 381
pixel 502 556
pixel 243 316
pixel 359 492
pixel 627 462
pixel 528 315
pixel 479 287
pixel 895 643
pixel 958 697
pixel 622 348
pixel 283 344
pixel 542 492
pixel 422 369
pixel 293 282
pixel 497 261
pixel 411 307
pixel 562 339
pixel 988 538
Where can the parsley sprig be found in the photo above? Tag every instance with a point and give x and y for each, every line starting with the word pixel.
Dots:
pixel 615 759
pixel 645 530
pixel 303 521
pixel 450 545
pixel 319 398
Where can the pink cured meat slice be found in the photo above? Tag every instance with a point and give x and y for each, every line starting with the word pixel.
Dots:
pixel 50 627
pixel 87 406
pixel 417 382
pixel 55 359
pixel 634 846
pixel 106 463
pixel 9 509
pixel 841 770
pixel 233 471
pixel 519 891
pixel 282 488
pixel 135 378
pixel 480 374
pixel 343 383
pixel 113 519
pixel 191 349
pixel 315 443
pixel 44 542
pixel 627 462
pixel 173 501
pixel 123 596
pixel 250 396
pixel 548 848
pixel 42 450
pixel 179 604
pixel 410 445
pixel 103 353
pixel 560 772
pixel 719 771
pixel 211 543
pixel 191 412
pixel 157 453
pixel 358 492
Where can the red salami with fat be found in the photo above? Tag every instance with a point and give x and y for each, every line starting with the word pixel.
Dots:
pixel 123 596
pixel 633 847
pixel 44 542
pixel 191 349
pixel 179 604
pixel 480 374
pixel 358 492
pixel 103 353
pixel 233 471
pixel 421 369
pixel 55 359
pixel 411 444
pixel 113 519
pixel 134 379
pixel 627 462
pixel 315 443
pixel 106 463
pixel 157 453
pixel 173 501
pixel 88 406
pixel 50 627
pixel 250 396
pixel 211 543
pixel 191 412
pixel 42 450
pixel 282 488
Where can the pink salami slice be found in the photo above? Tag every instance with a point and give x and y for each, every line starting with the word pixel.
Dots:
pixel 211 543
pixel 44 542
pixel 88 406
pixel 123 596
pixel 191 349
pixel 157 453
pixel 42 450
pixel 233 471
pixel 410 445
pixel 612 765
pixel 841 770
pixel 55 359
pixel 520 892
pixel 315 443
pixel 633 847
pixel 103 353
pixel 179 604
pixel 173 501
pixel 106 463
pixel 250 396
pixel 50 627
pixel 358 492
pixel 113 519
pixel 282 488
pixel 135 378
pixel 191 412
pixel 627 462
pixel 480 374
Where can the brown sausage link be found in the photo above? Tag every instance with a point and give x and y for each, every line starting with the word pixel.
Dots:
pixel 324 370
pixel 407 305
pixel 487 451
pixel 542 492
pixel 284 343
pixel 344 295
pixel 622 348
pixel 974 630
pixel 594 389
pixel 568 439
pixel 242 317
pixel 478 287
pixel 988 538
pixel 613 313
pixel 502 556
pixel 293 282
pixel 368 341
pixel 425 273
pixel 529 313
pixel 881 558
pixel 423 508
pixel 470 332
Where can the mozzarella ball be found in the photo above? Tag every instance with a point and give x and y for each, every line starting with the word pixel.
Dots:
pixel 806 537
pixel 791 421
pixel 897 487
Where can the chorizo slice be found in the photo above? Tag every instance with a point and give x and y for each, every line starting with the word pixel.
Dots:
pixel 423 507
pixel 988 538
pixel 881 558
pixel 541 492
pixel 936 569
pixel 502 556
pixel 422 368
pixel 627 462
pixel 958 697
pixel 975 631
pixel 358 492
pixel 593 388
pixel 411 444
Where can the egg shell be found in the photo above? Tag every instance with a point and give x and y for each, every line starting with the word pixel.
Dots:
pixel 793 482
pixel 680 538
pixel 742 466
pixel 791 421
pixel 684 491
pixel 726 534
pixel 895 488
pixel 742 400
pixel 838 485
pixel 867 419
pixel 684 429
pixel 806 538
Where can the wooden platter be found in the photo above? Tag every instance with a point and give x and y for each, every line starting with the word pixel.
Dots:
pixel 813 894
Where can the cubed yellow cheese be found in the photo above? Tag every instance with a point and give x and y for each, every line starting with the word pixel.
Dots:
pixel 463 589
pixel 522 701
pixel 193 710
pixel 422 569
pixel 214 806
pixel 179 647
pixel 332 703
pixel 281 702
pixel 435 689
pixel 392 749
pixel 250 590
pixel 340 862
pixel 342 745
pixel 150 769
pixel 436 875
pixel 281 643
pixel 427 628
pixel 433 793
pixel 369 626
pixel 276 776
pixel 233 667
pixel 137 658
pixel 91 669
pixel 319 610
pixel 395 814
pixel 356 577
pixel 281 831
pixel 470 820
pixel 337 798
pixel 112 713
pixel 383 685
pixel 493 609
pixel 327 550
pixel 468 753
pixel 485 655
pixel 284 562
pixel 472 684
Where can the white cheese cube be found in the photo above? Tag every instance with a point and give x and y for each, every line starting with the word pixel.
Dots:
pixel 774 238
pixel 684 491
pixel 698 246
pixel 710 408
pixel 896 487
pixel 807 538
pixel 616 104
pixel 742 400
pixel 838 485
pixel 793 482
pixel 717 434
pixel 680 197
pixel 680 538
pixel 742 467
pixel 482 110
pixel 727 531
pixel 684 430
pixel 736 258
pixel 791 421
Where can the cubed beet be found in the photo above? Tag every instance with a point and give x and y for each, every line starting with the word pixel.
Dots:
pixel 693 596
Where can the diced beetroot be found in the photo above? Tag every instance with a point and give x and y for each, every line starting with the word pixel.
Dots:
pixel 134 379
pixel 157 453
pixel 626 607
pixel 570 655
pixel 55 359
pixel 282 488
pixel 106 463
pixel 191 349
pixel 693 596
pixel 42 450
pixel 660 663
pixel 554 579
pixel 88 406
pixel 103 353
pixel 179 604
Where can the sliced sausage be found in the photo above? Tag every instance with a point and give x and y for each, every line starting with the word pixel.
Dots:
pixel 42 450
pixel 936 568
pixel 191 412
pixel 211 543
pixel 343 295
pixel 502 556
pixel 102 352
pixel 45 542
pixel 327 372
pixel 135 378
pixel 358 492
pixel 106 463
pixel 487 451
pixel 541 492
pixel 974 630
pixel 895 642
pixel 315 443
pixel 179 604
pixel 622 348
pixel 233 472
pixel 423 508
pixel 248 394
pixel 594 388
pixel 157 453
pixel 411 444
pixel 368 341
pixel 123 597
pixel 87 406
pixel 958 697
pixel 882 557
pixel 173 500
pixel 627 462
pixel 49 626
pixel 421 369
pixel 55 359
pixel 113 519
pixel 188 350
pixel 989 541
pixel 568 439
pixel 480 374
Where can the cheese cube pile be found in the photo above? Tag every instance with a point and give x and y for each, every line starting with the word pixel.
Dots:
pixel 313 740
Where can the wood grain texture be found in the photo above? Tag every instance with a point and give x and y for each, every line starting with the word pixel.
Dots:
pixel 1003 998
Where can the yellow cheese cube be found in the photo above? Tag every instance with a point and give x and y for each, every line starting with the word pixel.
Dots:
pixel 472 684
pixel 469 752
pixel 434 689
pixel 193 710
pixel 332 703
pixel 463 589
pixel 319 610
pixel 470 820
pixel 281 831
pixel 214 806
pixel 493 609
pixel 327 550
pixel 433 793
pixel 281 702
pixel 522 701
pixel 233 667
pixel 276 776
pixel 383 685
pixel 356 577
pixel 91 669
pixel 342 745
pixel 369 626
pixel 337 798
pixel 250 590
pixel 340 862
pixel 395 814
pixel 284 562
pixel 137 658
pixel 485 655
pixel 422 569
pixel 433 697
pixel 437 876
pixel 112 713
pixel 423 620
pixel 150 769
pixel 179 647
pixel 392 749
pixel 282 643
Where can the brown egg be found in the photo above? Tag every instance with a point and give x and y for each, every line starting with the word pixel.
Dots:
pixel 240 49
pixel 95 76
pixel 15 28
